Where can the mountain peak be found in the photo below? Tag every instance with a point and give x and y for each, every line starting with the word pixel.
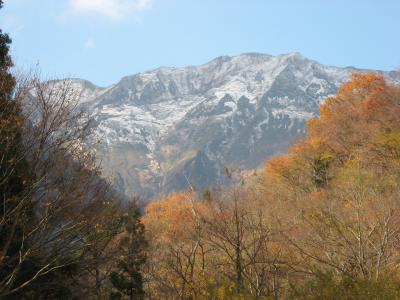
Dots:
pixel 256 54
pixel 154 123
pixel 294 56
pixel 234 110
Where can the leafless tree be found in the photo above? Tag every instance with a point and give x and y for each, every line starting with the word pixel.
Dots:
pixel 238 228
pixel 52 215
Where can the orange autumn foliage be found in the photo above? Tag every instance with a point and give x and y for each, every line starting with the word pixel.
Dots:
pixel 363 109
pixel 363 106
pixel 329 205
pixel 171 214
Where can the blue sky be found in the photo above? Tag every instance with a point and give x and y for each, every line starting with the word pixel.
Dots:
pixel 104 40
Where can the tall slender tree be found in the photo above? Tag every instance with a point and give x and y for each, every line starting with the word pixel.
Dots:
pixel 128 280
pixel 14 176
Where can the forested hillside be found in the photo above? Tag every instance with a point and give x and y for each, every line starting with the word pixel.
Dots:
pixel 321 222
pixel 63 232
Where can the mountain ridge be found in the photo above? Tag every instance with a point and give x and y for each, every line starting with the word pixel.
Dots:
pixel 170 128
pixel 221 57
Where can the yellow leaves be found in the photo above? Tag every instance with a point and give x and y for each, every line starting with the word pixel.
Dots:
pixel 391 139
pixel 220 293
pixel 98 227
pixel 313 215
pixel 391 142
pixel 327 156
pixel 355 181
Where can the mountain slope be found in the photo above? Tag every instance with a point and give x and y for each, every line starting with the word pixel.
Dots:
pixel 169 128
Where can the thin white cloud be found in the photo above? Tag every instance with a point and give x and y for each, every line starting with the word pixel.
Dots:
pixel 11 23
pixel 114 9
pixel 89 44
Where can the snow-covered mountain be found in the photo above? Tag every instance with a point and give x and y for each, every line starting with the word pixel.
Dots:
pixel 163 129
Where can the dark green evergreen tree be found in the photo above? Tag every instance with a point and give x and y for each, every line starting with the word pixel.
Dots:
pixel 128 280
pixel 6 78
pixel 14 176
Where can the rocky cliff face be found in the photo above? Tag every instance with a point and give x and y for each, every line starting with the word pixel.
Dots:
pixel 167 128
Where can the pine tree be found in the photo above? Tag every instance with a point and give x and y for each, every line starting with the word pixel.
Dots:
pixel 6 79
pixel 14 176
pixel 128 279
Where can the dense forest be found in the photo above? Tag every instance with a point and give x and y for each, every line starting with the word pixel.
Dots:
pixel 320 222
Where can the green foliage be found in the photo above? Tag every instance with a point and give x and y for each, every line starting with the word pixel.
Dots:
pixel 326 285
pixel 54 285
pixel 128 280
pixel 53 233
pixel 391 142
pixel 320 167
pixel 207 195
pixel 227 290
pixel 6 78
pixel 14 169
